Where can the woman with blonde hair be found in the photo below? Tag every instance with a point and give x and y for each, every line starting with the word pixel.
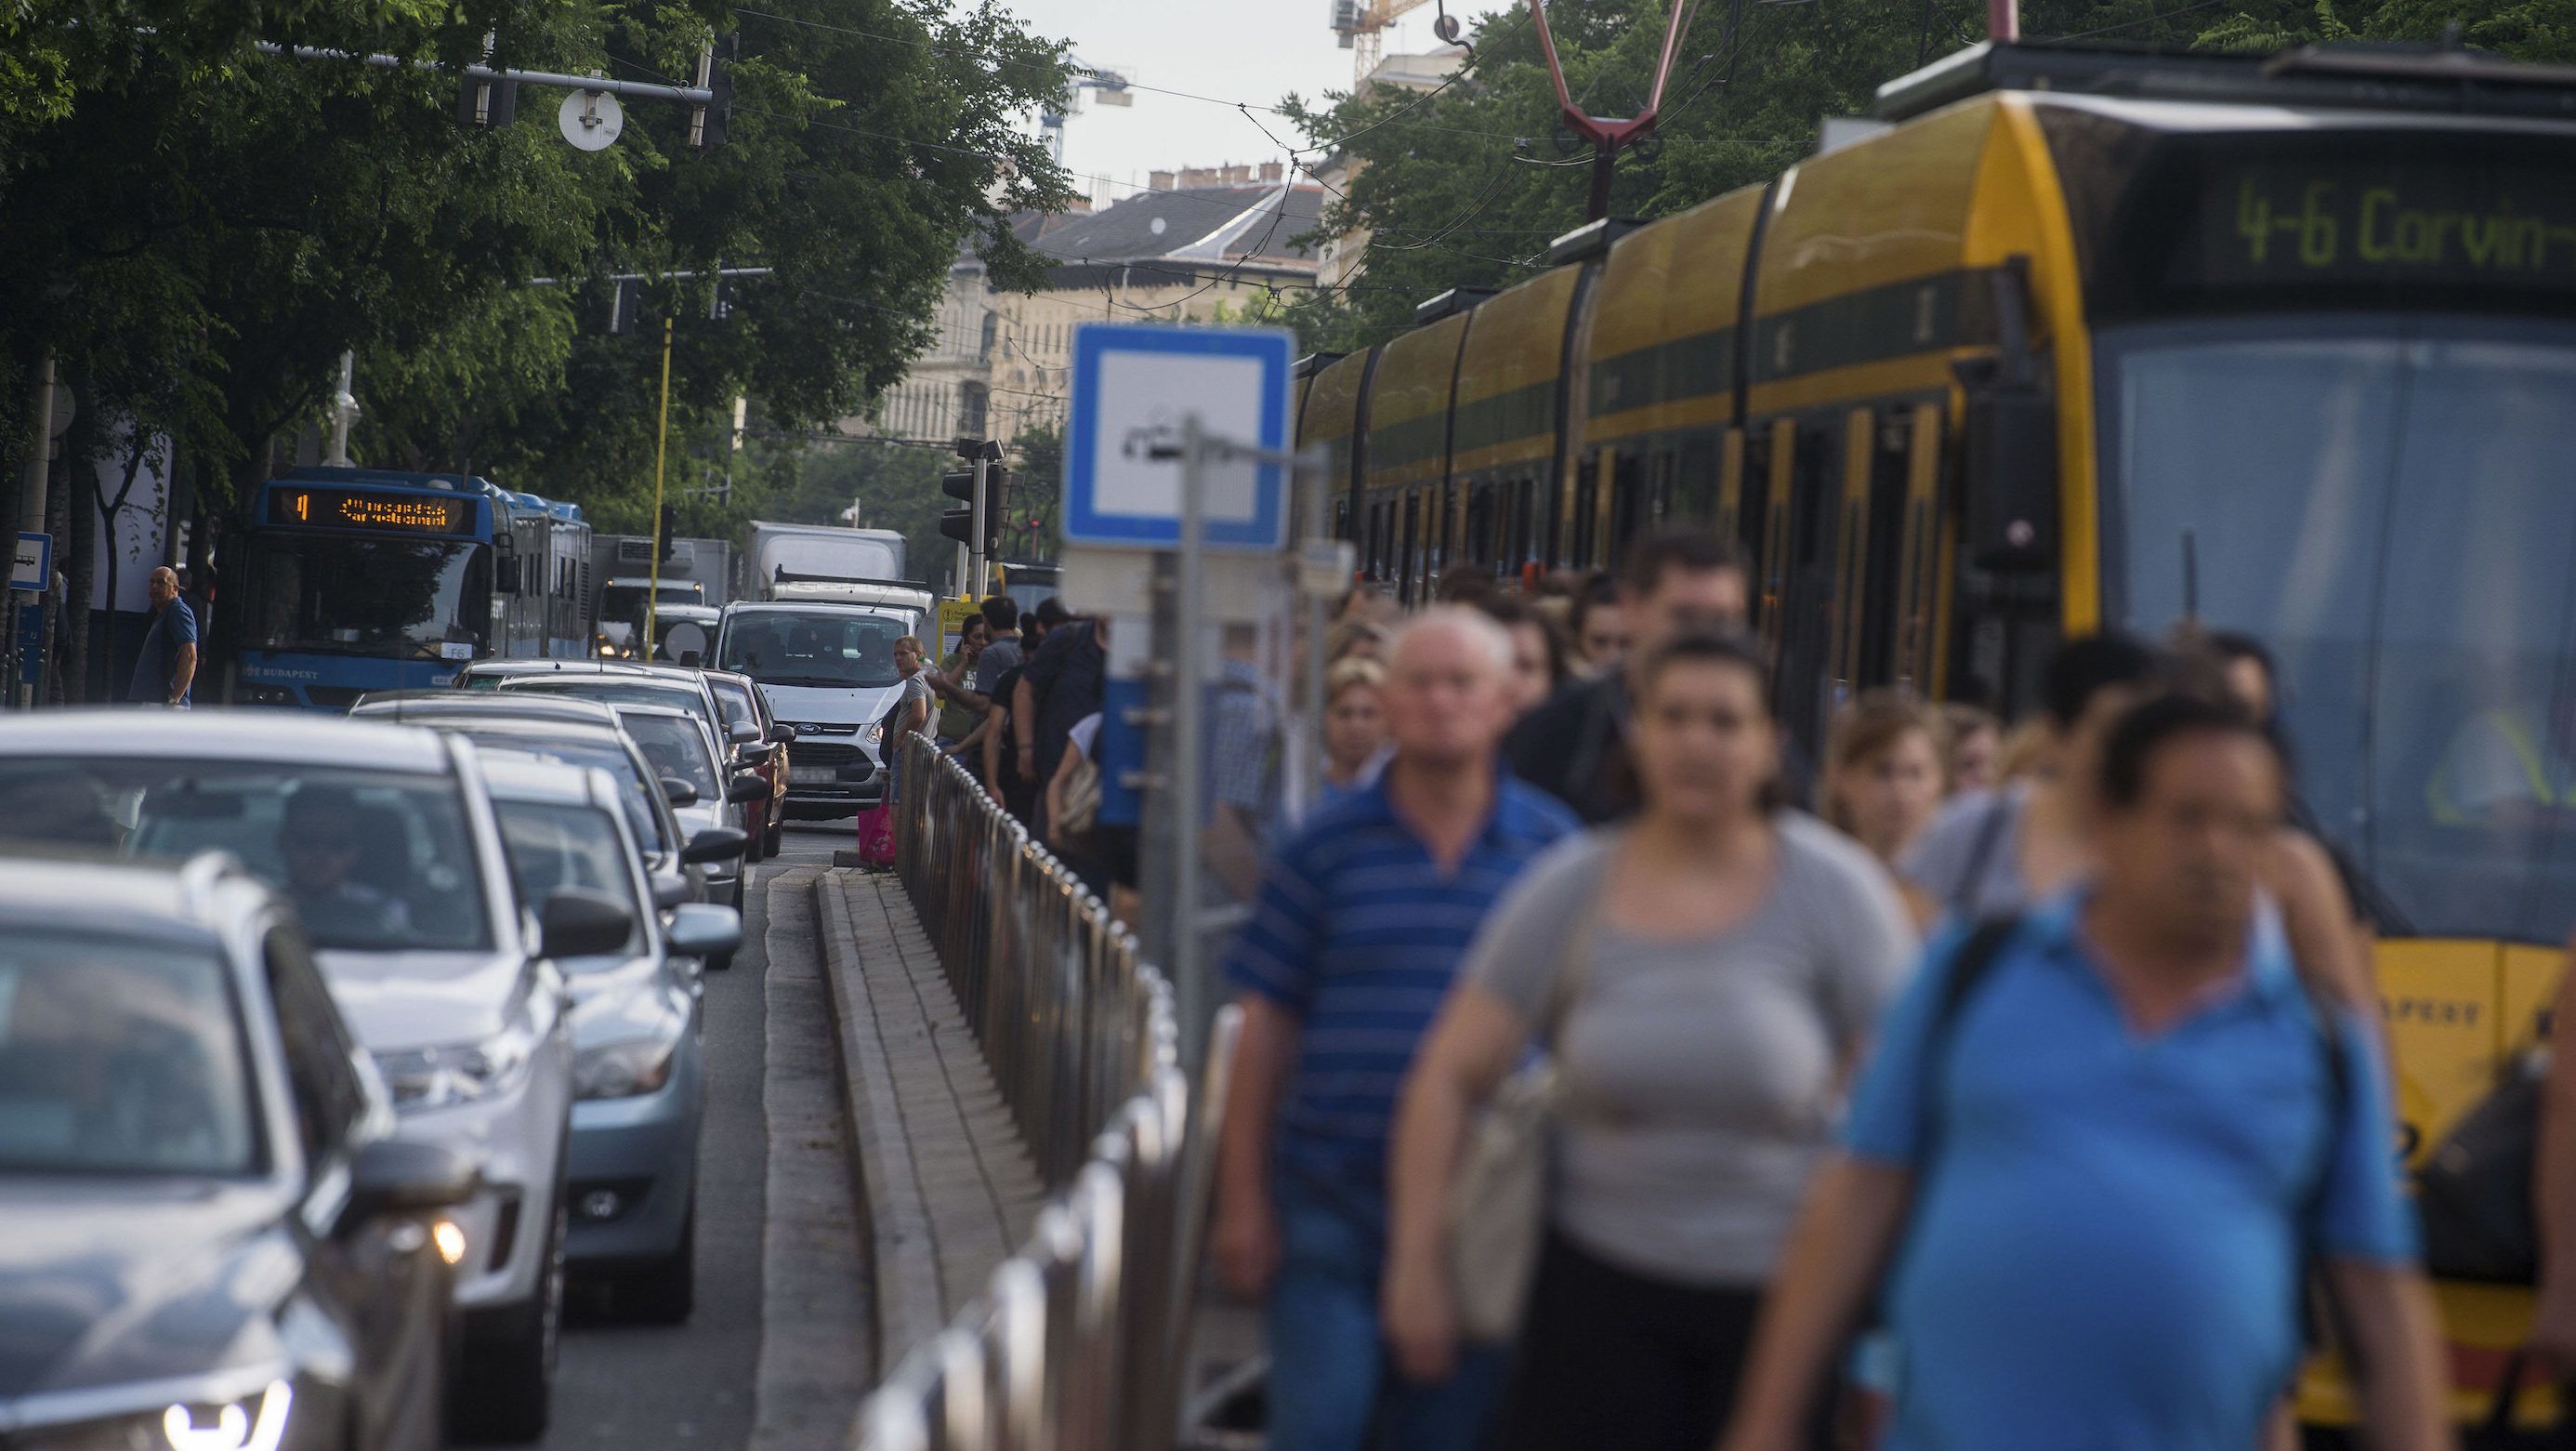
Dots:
pixel 1883 770
pixel 1355 745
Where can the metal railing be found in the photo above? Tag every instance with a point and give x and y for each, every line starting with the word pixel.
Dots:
pixel 1079 1340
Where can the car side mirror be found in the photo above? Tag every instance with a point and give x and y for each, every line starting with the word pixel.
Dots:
pixel 703 930
pixel 780 735
pixel 578 922
pixel 747 786
pixel 755 754
pixel 742 733
pixel 679 792
pixel 408 1176
pixel 670 890
pixel 715 844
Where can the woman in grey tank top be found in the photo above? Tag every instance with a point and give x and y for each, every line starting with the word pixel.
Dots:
pixel 1703 975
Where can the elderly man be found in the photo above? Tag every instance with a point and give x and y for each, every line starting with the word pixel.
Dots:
pixel 168 664
pixel 1362 920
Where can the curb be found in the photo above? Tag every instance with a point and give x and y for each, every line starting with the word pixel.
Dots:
pixel 902 1252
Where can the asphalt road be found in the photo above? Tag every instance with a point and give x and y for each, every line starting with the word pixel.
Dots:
pixel 694 1385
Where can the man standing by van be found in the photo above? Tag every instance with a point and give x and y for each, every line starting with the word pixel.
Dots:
pixel 168 664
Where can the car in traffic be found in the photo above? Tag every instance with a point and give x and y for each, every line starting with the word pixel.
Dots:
pixel 704 799
pixel 215 1235
pixel 829 674
pixel 745 705
pixel 639 1076
pixel 383 840
pixel 578 733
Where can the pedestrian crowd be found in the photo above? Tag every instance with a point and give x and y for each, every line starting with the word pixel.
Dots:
pixel 1613 1074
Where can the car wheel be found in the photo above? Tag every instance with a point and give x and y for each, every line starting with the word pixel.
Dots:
pixel 508 1379
pixel 665 1291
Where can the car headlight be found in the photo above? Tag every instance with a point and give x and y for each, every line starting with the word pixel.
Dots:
pixel 876 733
pixel 243 1425
pixel 624 1070
pixel 255 1422
pixel 450 1074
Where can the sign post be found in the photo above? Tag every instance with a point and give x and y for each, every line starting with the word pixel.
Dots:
pixel 1176 510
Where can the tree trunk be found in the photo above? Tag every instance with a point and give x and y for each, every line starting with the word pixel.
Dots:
pixel 79 671
pixel 58 519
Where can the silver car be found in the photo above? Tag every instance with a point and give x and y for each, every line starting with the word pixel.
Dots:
pixel 702 795
pixel 639 1074
pixel 384 841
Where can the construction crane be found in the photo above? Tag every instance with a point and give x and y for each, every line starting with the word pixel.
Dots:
pixel 1361 26
pixel 1109 85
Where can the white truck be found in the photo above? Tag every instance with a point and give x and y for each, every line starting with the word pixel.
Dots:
pixel 817 551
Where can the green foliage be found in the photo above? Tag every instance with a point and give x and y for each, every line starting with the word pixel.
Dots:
pixel 1466 186
pixel 198 230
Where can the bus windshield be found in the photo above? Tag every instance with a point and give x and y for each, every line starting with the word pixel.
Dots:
pixel 830 649
pixel 2387 504
pixel 342 594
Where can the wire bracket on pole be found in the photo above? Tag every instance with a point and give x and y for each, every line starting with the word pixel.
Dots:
pixel 1609 135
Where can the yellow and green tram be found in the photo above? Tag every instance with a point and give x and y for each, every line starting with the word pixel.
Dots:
pixel 2078 338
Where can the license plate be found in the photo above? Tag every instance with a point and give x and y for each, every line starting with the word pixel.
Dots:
pixel 811 776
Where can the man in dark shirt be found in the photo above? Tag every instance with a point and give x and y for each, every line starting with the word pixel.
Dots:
pixel 1574 744
pixel 1058 687
pixel 168 664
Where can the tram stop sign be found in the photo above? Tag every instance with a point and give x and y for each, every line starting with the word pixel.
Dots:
pixel 1133 384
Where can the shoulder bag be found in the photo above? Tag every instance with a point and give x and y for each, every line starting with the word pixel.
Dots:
pixel 1498 1200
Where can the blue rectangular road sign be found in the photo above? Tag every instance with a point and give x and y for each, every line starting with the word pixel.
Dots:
pixel 1133 384
pixel 32 567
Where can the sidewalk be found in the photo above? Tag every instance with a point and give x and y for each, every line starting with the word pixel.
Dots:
pixel 948 1188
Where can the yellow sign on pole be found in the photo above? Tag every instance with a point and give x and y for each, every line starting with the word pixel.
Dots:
pixel 953 615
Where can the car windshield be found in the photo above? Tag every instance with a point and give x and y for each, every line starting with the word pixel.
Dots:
pixel 118 1057
pixel 408 599
pixel 554 847
pixel 2386 504
pixel 616 690
pixel 632 785
pixel 675 745
pixel 372 860
pixel 834 649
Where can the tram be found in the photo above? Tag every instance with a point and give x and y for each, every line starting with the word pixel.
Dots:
pixel 352 580
pixel 2081 338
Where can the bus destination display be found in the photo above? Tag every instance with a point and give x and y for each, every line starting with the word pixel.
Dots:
pixel 358 509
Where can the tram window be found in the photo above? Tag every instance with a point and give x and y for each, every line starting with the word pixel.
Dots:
pixel 1881 568
pixel 1695 487
pixel 1806 636
pixel 1586 491
pixel 1631 507
pixel 1408 554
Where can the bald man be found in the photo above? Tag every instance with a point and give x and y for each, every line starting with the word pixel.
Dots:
pixel 168 664
pixel 1362 920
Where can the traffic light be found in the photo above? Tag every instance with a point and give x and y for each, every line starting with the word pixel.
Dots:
pixel 959 524
pixel 486 101
pixel 716 74
pixel 663 531
pixel 997 484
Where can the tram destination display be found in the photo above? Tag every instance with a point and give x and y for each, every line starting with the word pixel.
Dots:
pixel 372 511
pixel 2345 220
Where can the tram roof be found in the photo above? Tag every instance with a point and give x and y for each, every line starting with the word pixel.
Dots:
pixel 2338 76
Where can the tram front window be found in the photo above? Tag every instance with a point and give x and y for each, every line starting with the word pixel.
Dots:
pixel 410 599
pixel 2388 504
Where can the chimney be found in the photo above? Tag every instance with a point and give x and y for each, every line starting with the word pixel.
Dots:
pixel 1238 176
pixel 1158 180
pixel 1270 171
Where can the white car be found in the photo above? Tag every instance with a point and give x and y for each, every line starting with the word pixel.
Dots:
pixel 383 840
pixel 828 673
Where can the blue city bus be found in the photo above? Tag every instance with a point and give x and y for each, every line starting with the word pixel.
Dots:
pixel 348 580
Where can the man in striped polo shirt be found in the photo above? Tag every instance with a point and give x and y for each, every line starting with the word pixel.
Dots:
pixel 1362 921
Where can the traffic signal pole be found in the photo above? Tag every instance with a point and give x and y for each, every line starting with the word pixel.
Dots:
pixel 661 449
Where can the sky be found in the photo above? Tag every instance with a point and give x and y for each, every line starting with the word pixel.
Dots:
pixel 1236 50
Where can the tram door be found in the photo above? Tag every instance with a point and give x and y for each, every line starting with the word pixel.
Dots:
pixel 1799 580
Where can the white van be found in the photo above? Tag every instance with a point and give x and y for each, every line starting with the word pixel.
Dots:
pixel 827 668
